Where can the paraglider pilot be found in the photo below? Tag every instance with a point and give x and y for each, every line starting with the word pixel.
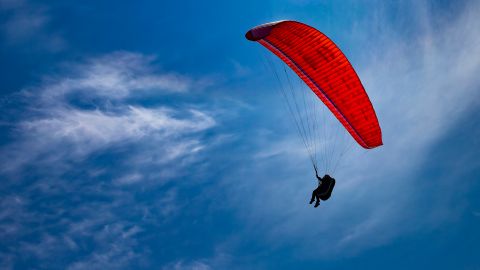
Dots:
pixel 324 189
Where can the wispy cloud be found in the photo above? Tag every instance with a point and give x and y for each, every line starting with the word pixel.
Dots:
pixel 219 260
pixel 59 123
pixel 88 110
pixel 28 23
pixel 114 76
pixel 195 265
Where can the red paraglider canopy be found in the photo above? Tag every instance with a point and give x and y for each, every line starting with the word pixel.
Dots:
pixel 328 73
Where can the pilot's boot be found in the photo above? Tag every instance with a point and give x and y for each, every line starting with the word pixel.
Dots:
pixel 313 197
pixel 317 204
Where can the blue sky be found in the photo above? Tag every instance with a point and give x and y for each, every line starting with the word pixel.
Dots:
pixel 149 135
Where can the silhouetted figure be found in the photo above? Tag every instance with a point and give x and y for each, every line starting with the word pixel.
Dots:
pixel 324 189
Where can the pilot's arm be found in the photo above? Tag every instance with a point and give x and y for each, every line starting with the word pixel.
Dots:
pixel 319 179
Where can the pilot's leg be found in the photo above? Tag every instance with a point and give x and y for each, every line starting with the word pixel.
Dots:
pixel 313 197
pixel 317 196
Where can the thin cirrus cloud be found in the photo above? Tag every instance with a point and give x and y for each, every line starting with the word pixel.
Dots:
pixel 27 23
pixel 114 77
pixel 55 138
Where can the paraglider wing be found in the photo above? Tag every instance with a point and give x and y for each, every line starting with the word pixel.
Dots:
pixel 328 73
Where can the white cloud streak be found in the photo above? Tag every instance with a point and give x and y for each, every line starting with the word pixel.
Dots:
pixel 114 77
pixel 56 136
pixel 28 23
